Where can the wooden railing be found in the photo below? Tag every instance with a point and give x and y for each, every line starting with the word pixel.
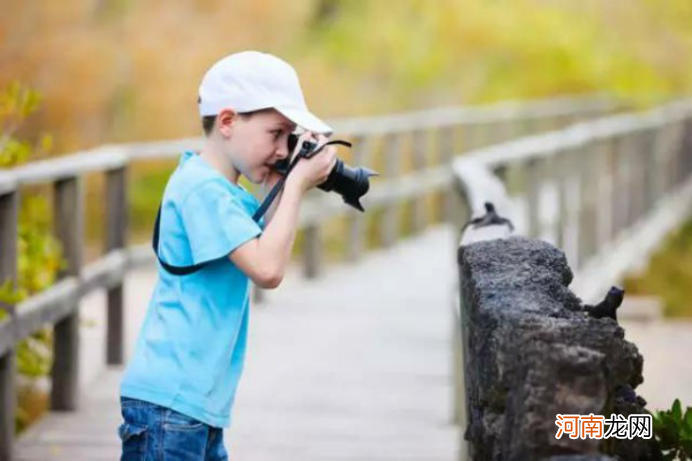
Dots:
pixel 605 191
pixel 402 138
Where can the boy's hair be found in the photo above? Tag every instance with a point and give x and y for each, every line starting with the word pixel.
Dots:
pixel 208 121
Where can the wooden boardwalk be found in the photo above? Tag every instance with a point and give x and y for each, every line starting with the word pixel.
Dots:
pixel 353 366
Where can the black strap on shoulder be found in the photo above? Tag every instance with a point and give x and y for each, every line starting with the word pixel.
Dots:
pixel 186 270
pixel 175 270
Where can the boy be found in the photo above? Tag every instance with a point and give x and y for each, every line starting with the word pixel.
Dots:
pixel 179 387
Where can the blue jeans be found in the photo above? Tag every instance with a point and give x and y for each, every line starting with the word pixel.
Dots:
pixel 154 433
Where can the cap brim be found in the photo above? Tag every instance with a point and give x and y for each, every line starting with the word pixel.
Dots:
pixel 306 120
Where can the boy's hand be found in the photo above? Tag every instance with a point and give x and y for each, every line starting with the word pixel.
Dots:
pixel 312 172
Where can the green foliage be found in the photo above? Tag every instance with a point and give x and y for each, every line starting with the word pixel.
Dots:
pixel 39 254
pixel 669 274
pixel 17 102
pixel 673 429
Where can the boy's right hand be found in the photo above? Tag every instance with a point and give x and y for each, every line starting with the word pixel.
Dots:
pixel 312 172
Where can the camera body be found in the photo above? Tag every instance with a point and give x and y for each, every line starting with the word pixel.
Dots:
pixel 351 183
pixel 282 165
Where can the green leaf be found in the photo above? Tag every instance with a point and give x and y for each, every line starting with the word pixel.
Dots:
pixel 677 410
pixel 688 421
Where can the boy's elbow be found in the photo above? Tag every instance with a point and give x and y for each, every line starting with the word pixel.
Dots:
pixel 269 280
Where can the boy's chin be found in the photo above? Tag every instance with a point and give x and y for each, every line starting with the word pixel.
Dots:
pixel 258 176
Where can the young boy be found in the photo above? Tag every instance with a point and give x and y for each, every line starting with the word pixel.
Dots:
pixel 179 387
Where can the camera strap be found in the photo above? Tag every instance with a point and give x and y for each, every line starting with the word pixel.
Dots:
pixel 186 270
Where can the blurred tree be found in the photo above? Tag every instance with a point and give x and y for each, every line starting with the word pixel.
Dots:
pixel 119 70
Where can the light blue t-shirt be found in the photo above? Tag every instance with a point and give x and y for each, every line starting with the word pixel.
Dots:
pixel 190 351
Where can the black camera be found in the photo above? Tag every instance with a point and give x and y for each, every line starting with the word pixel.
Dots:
pixel 349 182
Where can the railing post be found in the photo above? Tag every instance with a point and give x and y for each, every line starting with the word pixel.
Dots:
pixel 116 239
pixel 631 169
pixel 669 140
pixel 356 219
pixel 420 151
pixel 620 186
pixel 561 177
pixel 9 211
pixel 687 155
pixel 649 167
pixel 601 204
pixel 68 215
pixel 312 250
pixel 639 185
pixel 683 161
pixel 588 184
pixel 476 136
pixel 533 199
pixel 609 192
pixel 446 153
pixel 390 220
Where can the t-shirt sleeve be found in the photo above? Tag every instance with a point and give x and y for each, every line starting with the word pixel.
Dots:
pixel 216 222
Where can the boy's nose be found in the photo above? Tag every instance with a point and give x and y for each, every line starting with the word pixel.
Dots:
pixel 282 152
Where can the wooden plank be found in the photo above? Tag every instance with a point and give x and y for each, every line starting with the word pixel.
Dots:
pixel 68 215
pixel 9 212
pixel 106 272
pixel 57 302
pixel 116 238
pixel 66 167
pixel 451 116
pixel 47 307
pixel 367 396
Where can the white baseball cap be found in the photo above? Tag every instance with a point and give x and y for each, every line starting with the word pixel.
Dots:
pixel 252 80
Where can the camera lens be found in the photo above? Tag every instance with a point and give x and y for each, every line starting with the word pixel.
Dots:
pixel 351 183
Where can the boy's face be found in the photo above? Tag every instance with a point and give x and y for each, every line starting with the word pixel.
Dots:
pixel 257 142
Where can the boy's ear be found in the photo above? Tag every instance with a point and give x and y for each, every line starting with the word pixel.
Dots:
pixel 225 121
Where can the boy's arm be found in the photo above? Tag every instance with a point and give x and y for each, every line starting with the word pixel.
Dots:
pixel 265 258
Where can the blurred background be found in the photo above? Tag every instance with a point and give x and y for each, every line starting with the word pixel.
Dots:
pixel 78 74
pixel 121 70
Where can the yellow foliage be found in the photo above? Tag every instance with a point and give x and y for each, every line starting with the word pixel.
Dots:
pixel 121 70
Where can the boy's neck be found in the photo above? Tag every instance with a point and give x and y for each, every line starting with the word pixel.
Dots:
pixel 215 158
